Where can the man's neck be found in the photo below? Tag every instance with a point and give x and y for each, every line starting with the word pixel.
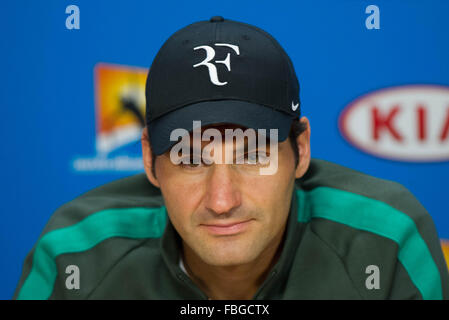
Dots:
pixel 239 282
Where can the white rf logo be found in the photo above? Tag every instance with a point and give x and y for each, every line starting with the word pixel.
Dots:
pixel 210 54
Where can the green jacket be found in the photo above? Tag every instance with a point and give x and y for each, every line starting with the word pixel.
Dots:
pixel 341 224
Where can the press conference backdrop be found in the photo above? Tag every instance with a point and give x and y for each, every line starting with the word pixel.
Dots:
pixel 374 84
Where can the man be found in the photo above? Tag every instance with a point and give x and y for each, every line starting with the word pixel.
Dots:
pixel 231 205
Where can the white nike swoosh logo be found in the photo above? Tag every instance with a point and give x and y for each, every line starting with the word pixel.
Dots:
pixel 295 106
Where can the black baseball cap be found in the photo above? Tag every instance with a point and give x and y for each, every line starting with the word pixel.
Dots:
pixel 220 71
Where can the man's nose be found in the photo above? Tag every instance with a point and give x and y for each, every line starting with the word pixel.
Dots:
pixel 222 194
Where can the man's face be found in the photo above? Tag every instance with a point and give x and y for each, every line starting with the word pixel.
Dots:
pixel 228 214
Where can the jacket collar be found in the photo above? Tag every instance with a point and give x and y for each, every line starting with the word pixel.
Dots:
pixel 292 237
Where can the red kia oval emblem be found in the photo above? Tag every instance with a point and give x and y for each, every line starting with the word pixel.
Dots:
pixel 405 123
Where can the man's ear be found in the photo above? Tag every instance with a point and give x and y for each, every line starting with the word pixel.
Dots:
pixel 303 144
pixel 147 158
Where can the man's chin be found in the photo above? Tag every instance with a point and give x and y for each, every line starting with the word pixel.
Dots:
pixel 227 262
pixel 227 255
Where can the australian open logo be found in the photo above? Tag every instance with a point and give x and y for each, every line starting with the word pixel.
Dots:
pixel 119 120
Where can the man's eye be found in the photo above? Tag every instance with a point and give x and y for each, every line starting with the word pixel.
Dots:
pixel 189 163
pixel 252 157
pixel 255 158
pixel 259 158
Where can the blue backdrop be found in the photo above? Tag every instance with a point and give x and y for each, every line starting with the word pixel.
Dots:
pixel 48 97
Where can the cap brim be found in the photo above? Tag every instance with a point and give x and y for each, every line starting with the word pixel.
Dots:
pixel 237 112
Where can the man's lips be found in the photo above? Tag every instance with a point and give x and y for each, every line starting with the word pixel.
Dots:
pixel 229 228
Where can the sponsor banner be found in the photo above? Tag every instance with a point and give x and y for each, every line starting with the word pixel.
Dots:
pixel 406 123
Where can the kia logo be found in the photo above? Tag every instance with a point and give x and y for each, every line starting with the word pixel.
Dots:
pixel 405 123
